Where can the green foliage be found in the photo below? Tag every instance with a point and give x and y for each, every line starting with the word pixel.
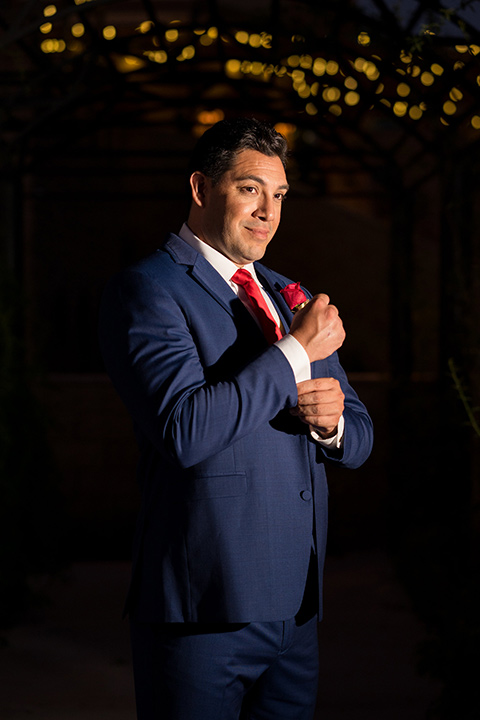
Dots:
pixel 463 396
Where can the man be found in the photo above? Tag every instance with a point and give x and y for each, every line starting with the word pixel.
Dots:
pixel 234 428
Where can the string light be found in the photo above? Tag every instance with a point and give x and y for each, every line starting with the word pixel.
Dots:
pixel 331 94
pixel 403 90
pixel 352 98
pixel 52 45
pixel 145 26
pixel 400 108
pixel 77 30
pixel 371 71
pixel 363 38
pixel 210 117
pixel 128 63
pixel 109 32
pixel 242 37
pixel 319 67
pixel 302 68
pixel 415 112
pixel 157 56
pixel 427 79
pixel 257 68
pixel 188 52
pixel 232 68
pixel 449 108
pixel 332 67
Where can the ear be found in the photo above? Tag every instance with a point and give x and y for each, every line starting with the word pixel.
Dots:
pixel 199 184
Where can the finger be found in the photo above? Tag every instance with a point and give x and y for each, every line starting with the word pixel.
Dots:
pixel 334 406
pixel 316 384
pixel 320 397
pixel 321 297
pixel 306 386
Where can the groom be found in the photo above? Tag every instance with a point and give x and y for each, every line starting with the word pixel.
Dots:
pixel 237 406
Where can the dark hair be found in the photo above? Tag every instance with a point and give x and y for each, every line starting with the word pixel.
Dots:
pixel 216 150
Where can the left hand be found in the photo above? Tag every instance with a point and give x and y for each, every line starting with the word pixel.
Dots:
pixel 320 404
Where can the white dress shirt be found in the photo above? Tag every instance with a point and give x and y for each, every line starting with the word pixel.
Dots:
pixel 290 347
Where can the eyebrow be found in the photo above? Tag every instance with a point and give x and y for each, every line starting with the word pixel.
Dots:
pixel 260 180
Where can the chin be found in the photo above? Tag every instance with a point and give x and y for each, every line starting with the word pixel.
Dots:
pixel 258 251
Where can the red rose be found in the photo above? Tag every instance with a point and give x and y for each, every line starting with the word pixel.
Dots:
pixel 294 296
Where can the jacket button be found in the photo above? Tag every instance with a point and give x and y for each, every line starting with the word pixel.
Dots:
pixel 306 495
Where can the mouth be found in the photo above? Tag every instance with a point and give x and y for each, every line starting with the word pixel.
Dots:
pixel 259 233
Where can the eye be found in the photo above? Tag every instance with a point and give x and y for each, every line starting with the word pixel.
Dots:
pixel 280 196
pixel 250 189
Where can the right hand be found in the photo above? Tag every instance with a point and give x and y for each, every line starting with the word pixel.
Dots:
pixel 318 328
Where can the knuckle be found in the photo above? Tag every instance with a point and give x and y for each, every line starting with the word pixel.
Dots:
pixel 323 298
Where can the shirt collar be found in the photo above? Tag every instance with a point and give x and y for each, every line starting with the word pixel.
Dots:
pixel 223 265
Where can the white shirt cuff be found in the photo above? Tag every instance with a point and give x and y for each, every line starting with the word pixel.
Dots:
pixel 335 442
pixel 300 363
pixel 297 357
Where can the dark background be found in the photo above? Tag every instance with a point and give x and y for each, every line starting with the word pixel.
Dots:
pixel 382 215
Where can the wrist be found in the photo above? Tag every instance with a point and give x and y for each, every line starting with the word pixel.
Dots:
pixel 327 433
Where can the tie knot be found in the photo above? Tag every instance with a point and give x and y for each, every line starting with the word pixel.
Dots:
pixel 242 277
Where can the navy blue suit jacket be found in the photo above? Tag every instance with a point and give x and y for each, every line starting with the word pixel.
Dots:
pixel 233 486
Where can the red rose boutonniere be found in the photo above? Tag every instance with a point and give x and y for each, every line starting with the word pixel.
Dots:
pixel 294 296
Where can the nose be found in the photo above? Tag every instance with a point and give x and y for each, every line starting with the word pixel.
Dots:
pixel 266 208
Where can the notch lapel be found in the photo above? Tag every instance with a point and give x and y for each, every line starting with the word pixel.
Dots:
pixel 202 272
pixel 273 288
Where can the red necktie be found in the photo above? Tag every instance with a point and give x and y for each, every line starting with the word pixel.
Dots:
pixel 270 328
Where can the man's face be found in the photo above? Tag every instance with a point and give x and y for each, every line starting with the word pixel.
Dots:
pixel 242 211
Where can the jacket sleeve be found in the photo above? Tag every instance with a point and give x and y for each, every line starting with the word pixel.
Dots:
pixel 358 434
pixel 150 354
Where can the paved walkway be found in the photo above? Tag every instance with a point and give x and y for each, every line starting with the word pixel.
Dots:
pixel 72 662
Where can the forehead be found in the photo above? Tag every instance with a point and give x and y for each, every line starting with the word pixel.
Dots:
pixel 251 163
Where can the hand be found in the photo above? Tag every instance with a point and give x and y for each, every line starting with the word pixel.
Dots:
pixel 318 328
pixel 320 404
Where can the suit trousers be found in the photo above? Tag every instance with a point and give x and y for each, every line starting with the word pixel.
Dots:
pixel 218 671
pixel 227 671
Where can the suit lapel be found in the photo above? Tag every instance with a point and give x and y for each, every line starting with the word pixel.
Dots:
pixel 215 285
pixel 273 288
pixel 202 272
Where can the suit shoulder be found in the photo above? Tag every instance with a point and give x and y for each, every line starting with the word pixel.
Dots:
pixel 152 264
pixel 159 265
